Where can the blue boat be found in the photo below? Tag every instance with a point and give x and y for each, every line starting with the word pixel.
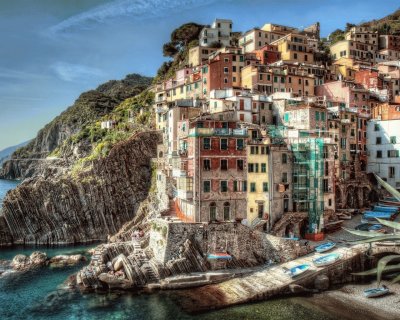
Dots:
pixel 219 256
pixel 375 227
pixel 298 270
pixel 375 292
pixel 326 260
pixel 377 214
pixel 388 205
pixel 385 209
pixel 325 247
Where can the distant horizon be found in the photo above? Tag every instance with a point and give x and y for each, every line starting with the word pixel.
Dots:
pixel 58 50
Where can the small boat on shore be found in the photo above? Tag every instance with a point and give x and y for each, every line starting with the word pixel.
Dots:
pixel 219 256
pixel 386 209
pixel 298 270
pixel 375 292
pixel 325 247
pixel 326 260
pixel 376 228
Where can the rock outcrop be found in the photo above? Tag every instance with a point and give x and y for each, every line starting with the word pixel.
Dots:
pixel 65 260
pixel 23 263
pixel 31 160
pixel 84 206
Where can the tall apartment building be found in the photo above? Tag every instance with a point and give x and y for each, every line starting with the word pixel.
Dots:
pixel 212 185
pixel 219 32
pixel 383 143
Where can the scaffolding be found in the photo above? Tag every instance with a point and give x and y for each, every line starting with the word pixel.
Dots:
pixel 308 176
pixel 307 170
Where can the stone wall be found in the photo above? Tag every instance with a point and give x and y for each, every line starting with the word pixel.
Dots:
pixel 247 246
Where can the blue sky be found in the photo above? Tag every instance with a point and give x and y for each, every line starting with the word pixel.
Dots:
pixel 52 50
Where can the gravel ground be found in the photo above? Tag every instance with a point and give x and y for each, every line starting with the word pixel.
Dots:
pixel 350 303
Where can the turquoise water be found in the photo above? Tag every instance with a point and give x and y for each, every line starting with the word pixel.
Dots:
pixel 40 294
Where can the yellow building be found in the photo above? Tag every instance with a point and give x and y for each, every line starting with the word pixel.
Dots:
pixel 257 178
pixel 353 50
pixel 294 47
pixel 199 54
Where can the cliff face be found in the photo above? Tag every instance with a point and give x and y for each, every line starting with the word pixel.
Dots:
pixel 87 205
pixel 29 161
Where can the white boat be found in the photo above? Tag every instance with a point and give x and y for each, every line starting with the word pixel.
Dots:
pixel 326 260
pixel 325 247
pixel 375 292
pixel 298 270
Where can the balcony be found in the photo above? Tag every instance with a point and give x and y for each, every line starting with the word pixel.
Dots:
pixel 178 173
pixel 217 132
pixel 184 194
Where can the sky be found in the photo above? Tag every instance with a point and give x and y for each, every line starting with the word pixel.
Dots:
pixel 53 50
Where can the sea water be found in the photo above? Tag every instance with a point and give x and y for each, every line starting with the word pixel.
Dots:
pixel 41 294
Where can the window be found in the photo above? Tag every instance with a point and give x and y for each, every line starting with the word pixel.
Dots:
pixel 265 186
pixel 224 144
pixel 378 140
pixel 393 140
pixel 393 153
pixel 224 164
pixel 227 211
pixel 251 167
pixel 343 143
pixel 224 186
pixel 284 158
pixel 253 150
pixel 326 185
pixel 256 167
pixel 235 186
pixel 263 167
pixel 284 177
pixel 252 187
pixel 206 186
pixel 323 116
pixel 392 172
pixel 206 143
pixel 295 55
pixel 376 127
pixel 226 70
pixel 379 153
pixel 352 133
pixel 239 164
pixel 239 144
pixel 244 186
pixel 213 211
pixel 207 164
pixel 225 80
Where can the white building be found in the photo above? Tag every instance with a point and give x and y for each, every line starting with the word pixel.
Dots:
pixel 383 145
pixel 219 32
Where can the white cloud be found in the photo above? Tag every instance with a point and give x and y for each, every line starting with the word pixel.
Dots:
pixel 139 9
pixel 74 72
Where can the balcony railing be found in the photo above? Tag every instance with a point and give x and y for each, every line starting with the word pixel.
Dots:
pixel 183 194
pixel 217 132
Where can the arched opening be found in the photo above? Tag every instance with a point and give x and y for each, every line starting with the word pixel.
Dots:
pixel 227 211
pixel 350 197
pixel 366 195
pixel 213 211
pixel 338 197
pixel 289 231
pixel 285 203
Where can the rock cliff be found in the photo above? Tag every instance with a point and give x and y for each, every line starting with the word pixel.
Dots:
pixel 85 205
pixel 30 160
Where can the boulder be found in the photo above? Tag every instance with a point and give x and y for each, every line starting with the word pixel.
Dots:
pixel 118 262
pixel 65 260
pixel 20 262
pixel 321 282
pixel 38 258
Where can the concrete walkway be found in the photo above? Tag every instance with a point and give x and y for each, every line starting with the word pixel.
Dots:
pixel 268 282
